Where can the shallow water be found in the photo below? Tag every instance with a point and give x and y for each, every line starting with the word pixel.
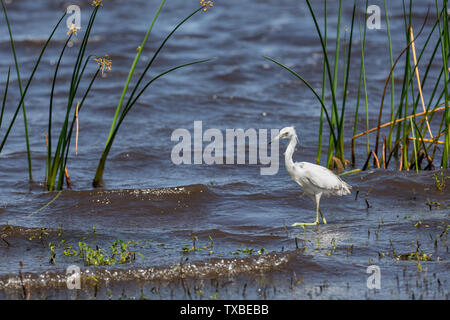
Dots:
pixel 162 207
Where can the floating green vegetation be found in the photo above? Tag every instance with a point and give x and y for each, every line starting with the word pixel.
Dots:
pixel 420 224
pixel 416 256
pixel 193 248
pixel 42 236
pixel 214 296
pixel 119 253
pixel 433 204
pixel 249 251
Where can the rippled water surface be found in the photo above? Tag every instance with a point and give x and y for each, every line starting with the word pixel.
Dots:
pixel 238 219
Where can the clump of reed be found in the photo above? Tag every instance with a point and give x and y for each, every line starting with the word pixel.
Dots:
pixel 56 164
pixel 56 160
pixel 412 137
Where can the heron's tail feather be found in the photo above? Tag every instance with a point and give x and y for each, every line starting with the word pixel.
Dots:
pixel 343 189
pixel 346 189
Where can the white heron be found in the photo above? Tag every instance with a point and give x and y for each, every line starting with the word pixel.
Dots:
pixel 315 180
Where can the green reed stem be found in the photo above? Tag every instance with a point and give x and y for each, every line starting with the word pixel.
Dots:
pixel 445 42
pixel 13 48
pixel 324 83
pixel 330 78
pixel 98 178
pixel 324 108
pixel 334 112
pixel 406 79
pixel 57 165
pixel 69 135
pixel 358 99
pixel 362 81
pixel 101 165
pixel 425 148
pixel 346 82
pixel 391 60
pixel 5 95
pixel 28 84
pixel 415 145
pixel 50 112
pixel 366 97
pixel 155 55
pixel 133 67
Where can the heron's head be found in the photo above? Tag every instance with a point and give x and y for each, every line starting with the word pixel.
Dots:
pixel 286 133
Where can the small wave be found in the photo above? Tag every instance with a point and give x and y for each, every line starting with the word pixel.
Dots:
pixel 136 155
pixel 190 190
pixel 234 76
pixel 38 42
pixel 388 183
pixel 210 269
pixel 189 193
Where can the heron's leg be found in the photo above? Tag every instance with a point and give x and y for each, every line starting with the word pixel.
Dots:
pixel 323 218
pixel 316 199
pixel 318 196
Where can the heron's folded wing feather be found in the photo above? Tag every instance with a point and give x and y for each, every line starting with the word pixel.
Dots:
pixel 324 179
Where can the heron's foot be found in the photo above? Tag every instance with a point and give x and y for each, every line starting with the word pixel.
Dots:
pixel 304 224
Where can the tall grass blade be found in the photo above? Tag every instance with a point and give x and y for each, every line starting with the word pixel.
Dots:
pixel 445 42
pixel 98 178
pixel 5 138
pixel 414 145
pixel 346 82
pixel 407 50
pixel 324 108
pixel 324 83
pixel 133 67
pixel 391 61
pixel 5 95
pixel 13 48
pixel 334 112
pixel 57 163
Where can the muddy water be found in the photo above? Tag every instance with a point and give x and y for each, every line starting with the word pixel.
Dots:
pixel 239 220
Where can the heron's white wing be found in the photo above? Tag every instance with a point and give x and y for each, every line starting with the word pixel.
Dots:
pixel 323 180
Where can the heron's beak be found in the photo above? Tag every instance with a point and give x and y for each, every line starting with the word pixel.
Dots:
pixel 274 139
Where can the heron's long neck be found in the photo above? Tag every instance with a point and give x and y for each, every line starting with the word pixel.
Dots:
pixel 290 151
